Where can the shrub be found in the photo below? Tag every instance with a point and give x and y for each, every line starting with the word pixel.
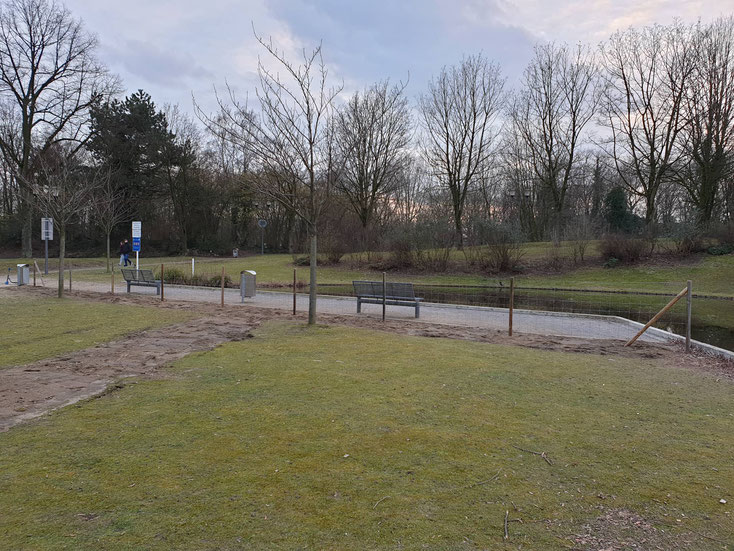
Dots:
pixel 719 250
pixel 686 240
pixel 623 248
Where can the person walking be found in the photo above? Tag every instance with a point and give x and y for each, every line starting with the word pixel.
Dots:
pixel 122 253
pixel 126 249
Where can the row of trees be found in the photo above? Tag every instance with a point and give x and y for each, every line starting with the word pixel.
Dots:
pixel 645 117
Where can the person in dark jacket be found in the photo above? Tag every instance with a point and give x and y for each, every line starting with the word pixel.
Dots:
pixel 121 252
pixel 126 250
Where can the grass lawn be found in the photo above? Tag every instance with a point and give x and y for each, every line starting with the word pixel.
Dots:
pixel 37 328
pixel 336 438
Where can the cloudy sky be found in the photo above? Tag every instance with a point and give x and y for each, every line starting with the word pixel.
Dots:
pixel 174 49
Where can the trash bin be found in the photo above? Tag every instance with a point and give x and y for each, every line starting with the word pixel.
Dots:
pixel 235 253
pixel 247 284
pixel 24 275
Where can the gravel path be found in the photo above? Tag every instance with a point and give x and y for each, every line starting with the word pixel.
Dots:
pixel 524 321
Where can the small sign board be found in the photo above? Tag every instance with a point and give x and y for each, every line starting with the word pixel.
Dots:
pixel 47 229
pixel 137 229
pixel 262 223
pixel 136 244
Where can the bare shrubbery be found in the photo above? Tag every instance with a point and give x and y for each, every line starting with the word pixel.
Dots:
pixel 623 248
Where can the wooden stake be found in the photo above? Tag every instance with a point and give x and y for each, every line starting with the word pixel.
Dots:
pixel 162 282
pixel 658 316
pixel 34 273
pixel 689 305
pixel 384 295
pixel 69 278
pixel 112 282
pixel 222 286
pixel 294 291
pixel 512 301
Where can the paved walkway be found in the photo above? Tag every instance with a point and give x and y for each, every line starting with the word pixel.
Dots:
pixel 524 321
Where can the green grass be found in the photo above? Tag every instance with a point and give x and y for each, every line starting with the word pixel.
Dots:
pixel 37 328
pixel 335 438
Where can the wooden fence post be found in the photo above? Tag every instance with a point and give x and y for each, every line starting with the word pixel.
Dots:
pixel 112 282
pixel 384 295
pixel 512 302
pixel 689 305
pixel 163 279
pixel 69 277
pixel 294 291
pixel 34 273
pixel 222 286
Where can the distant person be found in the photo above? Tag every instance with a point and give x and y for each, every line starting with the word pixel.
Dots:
pixel 122 253
pixel 126 250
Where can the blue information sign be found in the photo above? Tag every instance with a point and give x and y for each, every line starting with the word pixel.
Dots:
pixel 136 244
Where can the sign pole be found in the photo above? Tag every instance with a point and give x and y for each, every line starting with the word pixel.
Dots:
pixel 137 260
pixel 45 268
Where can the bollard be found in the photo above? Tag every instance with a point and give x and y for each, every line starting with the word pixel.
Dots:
pixel 112 282
pixel 192 267
pixel 34 273
pixel 294 291
pixel 162 279
pixel 69 278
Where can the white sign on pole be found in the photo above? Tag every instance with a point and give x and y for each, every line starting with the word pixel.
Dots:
pixel 47 229
pixel 137 227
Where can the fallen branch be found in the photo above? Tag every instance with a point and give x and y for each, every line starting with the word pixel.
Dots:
pixel 507 532
pixel 485 481
pixel 541 454
pixel 380 501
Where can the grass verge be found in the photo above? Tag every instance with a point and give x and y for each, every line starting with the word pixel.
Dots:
pixel 37 328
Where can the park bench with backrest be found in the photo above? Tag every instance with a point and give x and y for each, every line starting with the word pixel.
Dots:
pixel 395 294
pixel 142 278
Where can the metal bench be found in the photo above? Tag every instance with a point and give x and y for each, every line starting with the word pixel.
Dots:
pixel 396 294
pixel 142 278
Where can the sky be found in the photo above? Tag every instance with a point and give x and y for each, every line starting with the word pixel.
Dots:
pixel 179 49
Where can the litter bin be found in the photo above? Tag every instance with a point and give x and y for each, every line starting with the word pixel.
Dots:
pixel 24 275
pixel 247 284
pixel 235 253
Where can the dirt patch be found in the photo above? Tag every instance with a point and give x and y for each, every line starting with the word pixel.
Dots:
pixel 624 530
pixel 30 390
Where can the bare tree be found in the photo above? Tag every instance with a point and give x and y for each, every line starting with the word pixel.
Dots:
pixel 109 207
pixel 291 139
pixel 708 122
pixel 459 117
pixel 550 114
pixel 49 77
pixel 63 187
pixel 646 74
pixel 372 137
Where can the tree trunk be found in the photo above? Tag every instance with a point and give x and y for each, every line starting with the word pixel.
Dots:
pixel 108 252
pixel 312 287
pixel 62 251
pixel 27 227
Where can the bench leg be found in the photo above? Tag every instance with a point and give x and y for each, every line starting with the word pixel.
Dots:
pixel 359 306
pixel 157 289
pixel 417 310
pixel 128 286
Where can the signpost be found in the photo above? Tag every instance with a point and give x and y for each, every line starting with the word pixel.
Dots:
pixel 47 234
pixel 137 232
pixel 262 223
